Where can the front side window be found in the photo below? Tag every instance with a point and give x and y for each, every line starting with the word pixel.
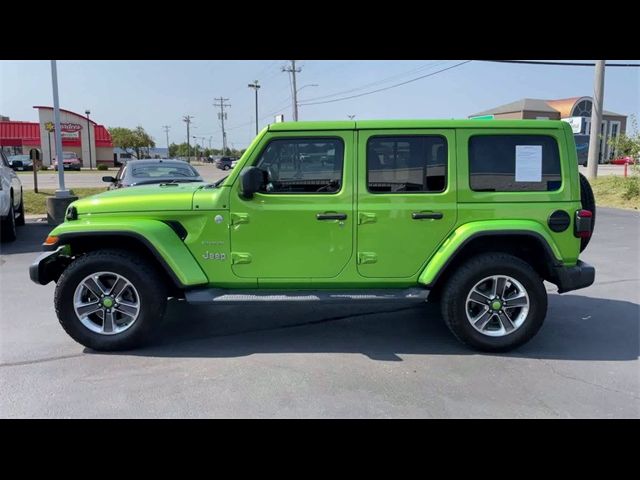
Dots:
pixel 303 165
pixel 407 164
pixel 514 163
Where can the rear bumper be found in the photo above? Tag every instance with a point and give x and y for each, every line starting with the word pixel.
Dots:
pixel 573 278
pixel 46 267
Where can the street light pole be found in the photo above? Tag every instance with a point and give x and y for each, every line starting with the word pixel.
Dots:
pixel 255 87
pixel 87 112
pixel 596 121
pixel 62 192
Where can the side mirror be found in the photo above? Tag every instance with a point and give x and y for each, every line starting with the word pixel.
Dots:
pixel 252 180
pixel 109 179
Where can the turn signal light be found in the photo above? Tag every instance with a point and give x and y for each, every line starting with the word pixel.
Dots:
pixel 51 240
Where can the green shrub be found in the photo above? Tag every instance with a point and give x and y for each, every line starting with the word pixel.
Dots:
pixel 43 167
pixel 102 166
pixel 631 188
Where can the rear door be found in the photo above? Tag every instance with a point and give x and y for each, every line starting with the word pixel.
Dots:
pixel 406 198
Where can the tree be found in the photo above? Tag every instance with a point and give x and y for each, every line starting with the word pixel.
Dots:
pixel 136 140
pixel 627 145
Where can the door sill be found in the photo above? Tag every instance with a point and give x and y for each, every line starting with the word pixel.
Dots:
pixel 221 295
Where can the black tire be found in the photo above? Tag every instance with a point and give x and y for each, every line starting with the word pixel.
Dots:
pixel 20 221
pixel 226 167
pixel 588 201
pixel 8 227
pixel 143 276
pixel 460 284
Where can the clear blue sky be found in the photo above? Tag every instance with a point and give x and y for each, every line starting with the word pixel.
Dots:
pixel 156 93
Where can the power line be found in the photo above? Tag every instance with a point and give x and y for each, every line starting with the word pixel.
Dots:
pixel 563 64
pixel 390 87
pixel 372 84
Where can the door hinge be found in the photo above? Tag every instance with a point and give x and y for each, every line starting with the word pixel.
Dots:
pixel 238 218
pixel 238 258
pixel 367 257
pixel 364 217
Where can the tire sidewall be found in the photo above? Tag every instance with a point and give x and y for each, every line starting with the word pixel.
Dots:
pixel 152 304
pixel 535 317
pixel 9 224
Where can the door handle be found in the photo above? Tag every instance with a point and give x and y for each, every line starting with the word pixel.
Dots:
pixel 426 215
pixel 331 216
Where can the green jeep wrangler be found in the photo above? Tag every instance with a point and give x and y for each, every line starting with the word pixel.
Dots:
pixel 474 214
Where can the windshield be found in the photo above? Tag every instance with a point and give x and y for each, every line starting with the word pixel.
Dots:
pixel 69 155
pixel 19 157
pixel 163 171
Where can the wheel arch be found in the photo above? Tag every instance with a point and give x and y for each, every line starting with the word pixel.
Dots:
pixel 528 245
pixel 161 243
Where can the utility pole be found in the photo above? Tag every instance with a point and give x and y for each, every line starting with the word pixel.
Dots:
pixel 255 87
pixel 293 70
pixel 187 119
pixel 166 131
pixel 222 116
pixel 596 120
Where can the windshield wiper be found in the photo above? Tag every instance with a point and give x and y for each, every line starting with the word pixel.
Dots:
pixel 217 183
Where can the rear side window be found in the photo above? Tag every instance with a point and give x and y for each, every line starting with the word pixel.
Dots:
pixel 514 163
pixel 402 164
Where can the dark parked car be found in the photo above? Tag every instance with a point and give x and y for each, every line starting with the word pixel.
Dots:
pixel 225 163
pixel 146 172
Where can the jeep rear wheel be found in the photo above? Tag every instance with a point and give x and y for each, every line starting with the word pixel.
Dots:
pixel 495 302
pixel 109 300
pixel 588 201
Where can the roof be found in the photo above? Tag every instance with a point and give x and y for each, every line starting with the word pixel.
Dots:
pixel 66 111
pixel 565 105
pixel 412 124
pixel 531 104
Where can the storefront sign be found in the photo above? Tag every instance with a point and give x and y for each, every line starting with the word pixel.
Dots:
pixel 65 127
pixel 70 134
pixel 576 123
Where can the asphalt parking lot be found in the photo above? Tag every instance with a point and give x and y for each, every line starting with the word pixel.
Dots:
pixel 331 361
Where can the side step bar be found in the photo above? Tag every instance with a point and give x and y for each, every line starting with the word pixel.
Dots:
pixel 220 295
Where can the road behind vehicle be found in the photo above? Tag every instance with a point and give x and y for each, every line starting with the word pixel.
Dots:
pixel 70 161
pixel 20 162
pixel 152 171
pixel 472 214
pixel 11 201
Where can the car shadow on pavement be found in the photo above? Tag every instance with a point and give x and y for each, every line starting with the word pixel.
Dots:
pixel 577 328
pixel 30 238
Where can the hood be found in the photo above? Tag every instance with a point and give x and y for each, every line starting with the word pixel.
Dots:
pixel 144 198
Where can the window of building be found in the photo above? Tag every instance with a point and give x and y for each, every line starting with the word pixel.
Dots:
pixel 497 163
pixel 407 164
pixel 583 108
pixel 303 165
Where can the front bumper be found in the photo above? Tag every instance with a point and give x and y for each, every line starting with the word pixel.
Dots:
pixel 572 278
pixel 47 266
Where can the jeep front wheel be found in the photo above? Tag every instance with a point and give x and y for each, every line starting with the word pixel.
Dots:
pixel 109 300
pixel 495 302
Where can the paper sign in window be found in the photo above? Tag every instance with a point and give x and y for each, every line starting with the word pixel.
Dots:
pixel 528 163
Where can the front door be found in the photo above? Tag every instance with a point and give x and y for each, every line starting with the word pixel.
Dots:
pixel 301 225
pixel 406 199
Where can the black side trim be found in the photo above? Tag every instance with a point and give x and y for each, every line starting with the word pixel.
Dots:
pixel 177 227
pixel 45 268
pixel 549 253
pixel 65 238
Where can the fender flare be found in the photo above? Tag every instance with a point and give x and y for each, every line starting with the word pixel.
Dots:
pixel 159 238
pixel 455 243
